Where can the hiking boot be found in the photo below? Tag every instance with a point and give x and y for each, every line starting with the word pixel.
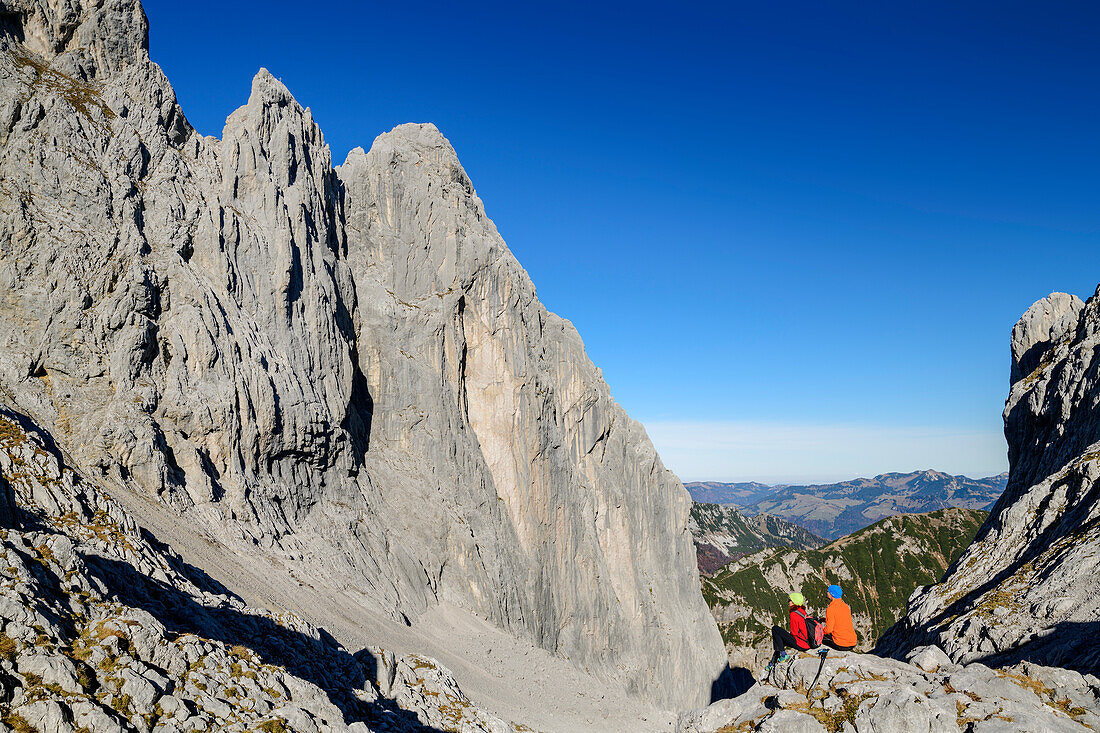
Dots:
pixel 783 657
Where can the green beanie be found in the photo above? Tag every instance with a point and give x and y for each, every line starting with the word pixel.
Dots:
pixel 797 599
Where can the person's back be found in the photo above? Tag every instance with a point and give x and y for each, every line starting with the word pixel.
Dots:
pixel 795 638
pixel 840 632
pixel 798 627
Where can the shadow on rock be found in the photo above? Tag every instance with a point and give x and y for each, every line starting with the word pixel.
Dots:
pixel 1070 645
pixel 319 660
pixel 732 682
pixel 905 635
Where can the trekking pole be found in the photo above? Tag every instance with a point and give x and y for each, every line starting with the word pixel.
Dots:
pixel 823 653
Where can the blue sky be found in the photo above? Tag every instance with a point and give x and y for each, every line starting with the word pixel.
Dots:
pixel 794 237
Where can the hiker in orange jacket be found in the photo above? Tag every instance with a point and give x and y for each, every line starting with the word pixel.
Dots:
pixel 840 633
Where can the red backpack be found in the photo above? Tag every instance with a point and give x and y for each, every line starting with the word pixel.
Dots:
pixel 815 630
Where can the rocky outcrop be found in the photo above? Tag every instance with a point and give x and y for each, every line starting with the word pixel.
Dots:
pixel 1040 329
pixel 1027 589
pixel 103 628
pixel 927 694
pixel 343 370
pixel 549 473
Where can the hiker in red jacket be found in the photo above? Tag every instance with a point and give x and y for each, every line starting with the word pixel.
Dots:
pixel 796 637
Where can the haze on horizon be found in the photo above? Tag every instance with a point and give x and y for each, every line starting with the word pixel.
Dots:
pixel 795 238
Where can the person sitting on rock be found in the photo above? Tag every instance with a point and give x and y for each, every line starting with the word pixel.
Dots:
pixel 795 638
pixel 840 633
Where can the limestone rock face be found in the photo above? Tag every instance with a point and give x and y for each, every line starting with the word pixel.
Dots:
pixel 544 465
pixel 93 37
pixel 342 370
pixel 1027 588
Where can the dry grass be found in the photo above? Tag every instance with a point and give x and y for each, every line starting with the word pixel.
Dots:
pixel 9 647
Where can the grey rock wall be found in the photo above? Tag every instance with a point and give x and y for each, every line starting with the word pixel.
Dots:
pixel 456 343
pixel 344 370
pixel 1027 589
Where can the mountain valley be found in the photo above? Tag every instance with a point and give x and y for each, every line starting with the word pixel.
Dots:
pixel 288 445
pixel 878 567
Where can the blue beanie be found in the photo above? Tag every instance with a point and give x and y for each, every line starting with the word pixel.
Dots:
pixel 835 591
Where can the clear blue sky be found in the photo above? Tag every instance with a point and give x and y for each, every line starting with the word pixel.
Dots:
pixel 809 226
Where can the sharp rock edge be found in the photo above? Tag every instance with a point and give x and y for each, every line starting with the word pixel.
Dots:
pixel 344 369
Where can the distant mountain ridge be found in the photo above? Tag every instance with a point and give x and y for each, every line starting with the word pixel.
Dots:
pixel 879 567
pixel 834 510
pixel 722 534
pixel 739 494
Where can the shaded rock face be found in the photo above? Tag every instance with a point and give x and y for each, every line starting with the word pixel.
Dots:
pixel 344 369
pixel 1027 588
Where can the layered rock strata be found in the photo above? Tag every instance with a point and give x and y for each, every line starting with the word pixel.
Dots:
pixel 340 369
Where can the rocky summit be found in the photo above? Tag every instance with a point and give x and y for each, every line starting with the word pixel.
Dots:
pixel 259 411
pixel 338 373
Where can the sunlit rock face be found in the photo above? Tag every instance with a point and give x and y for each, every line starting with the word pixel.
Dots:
pixel 1027 588
pixel 342 369
pixel 846 691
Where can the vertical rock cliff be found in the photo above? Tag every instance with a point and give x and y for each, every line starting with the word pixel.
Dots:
pixel 1027 589
pixel 342 370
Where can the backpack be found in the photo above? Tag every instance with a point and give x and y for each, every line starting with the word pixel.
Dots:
pixel 815 630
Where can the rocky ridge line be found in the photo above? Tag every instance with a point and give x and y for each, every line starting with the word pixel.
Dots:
pixel 723 534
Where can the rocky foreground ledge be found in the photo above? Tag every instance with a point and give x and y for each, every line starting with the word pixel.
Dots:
pixel 929 693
